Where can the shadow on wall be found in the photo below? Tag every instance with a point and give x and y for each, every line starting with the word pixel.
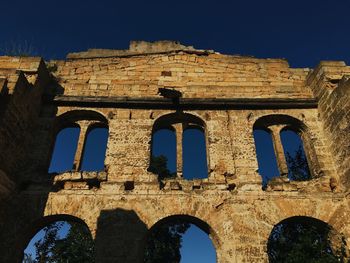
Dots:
pixel 18 215
pixel 27 169
pixel 119 236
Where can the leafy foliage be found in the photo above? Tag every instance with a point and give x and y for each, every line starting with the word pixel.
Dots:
pixel 159 166
pixel 297 165
pixel 164 243
pixel 45 246
pixel 76 247
pixel 292 242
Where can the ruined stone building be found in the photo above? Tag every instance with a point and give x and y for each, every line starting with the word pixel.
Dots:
pixel 135 92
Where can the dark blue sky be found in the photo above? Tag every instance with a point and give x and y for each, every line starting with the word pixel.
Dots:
pixel 304 32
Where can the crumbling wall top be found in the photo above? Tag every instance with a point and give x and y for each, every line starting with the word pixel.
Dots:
pixel 138 48
pixel 12 67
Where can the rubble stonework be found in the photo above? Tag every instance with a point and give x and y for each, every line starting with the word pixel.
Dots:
pixel 120 89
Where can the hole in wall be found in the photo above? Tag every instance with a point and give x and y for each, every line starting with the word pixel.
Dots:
pixel 129 185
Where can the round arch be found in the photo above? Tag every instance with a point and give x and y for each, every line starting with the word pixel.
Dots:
pixel 300 128
pixel 164 121
pixel 292 123
pixel 38 224
pixel 202 225
pixel 297 229
pixel 179 122
pixel 70 117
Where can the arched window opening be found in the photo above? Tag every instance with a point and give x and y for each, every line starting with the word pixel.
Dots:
pixel 289 136
pixel 94 149
pixel 265 154
pixel 179 239
pixel 305 239
pixel 185 150
pixel 87 152
pixel 163 158
pixel 61 241
pixel 298 168
pixel 194 154
pixel 62 159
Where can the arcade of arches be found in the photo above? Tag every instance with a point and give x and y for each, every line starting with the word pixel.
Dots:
pixel 129 96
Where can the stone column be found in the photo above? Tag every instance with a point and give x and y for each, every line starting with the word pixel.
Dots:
pixel 179 164
pixel 81 141
pixel 278 147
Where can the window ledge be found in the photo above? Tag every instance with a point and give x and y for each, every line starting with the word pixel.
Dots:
pixel 80 176
pixel 321 184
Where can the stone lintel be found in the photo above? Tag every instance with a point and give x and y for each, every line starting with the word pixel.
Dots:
pixel 184 103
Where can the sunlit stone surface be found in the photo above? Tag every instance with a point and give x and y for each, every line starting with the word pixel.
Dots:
pixel 223 95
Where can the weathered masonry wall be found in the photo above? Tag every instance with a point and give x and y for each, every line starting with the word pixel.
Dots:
pixel 331 85
pixel 196 76
pixel 120 89
pixel 22 81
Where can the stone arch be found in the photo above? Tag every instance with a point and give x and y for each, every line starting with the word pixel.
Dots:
pixel 69 117
pixel 201 224
pixel 299 224
pixel 178 117
pixel 274 124
pixel 86 120
pixel 277 119
pixel 38 224
pixel 178 122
